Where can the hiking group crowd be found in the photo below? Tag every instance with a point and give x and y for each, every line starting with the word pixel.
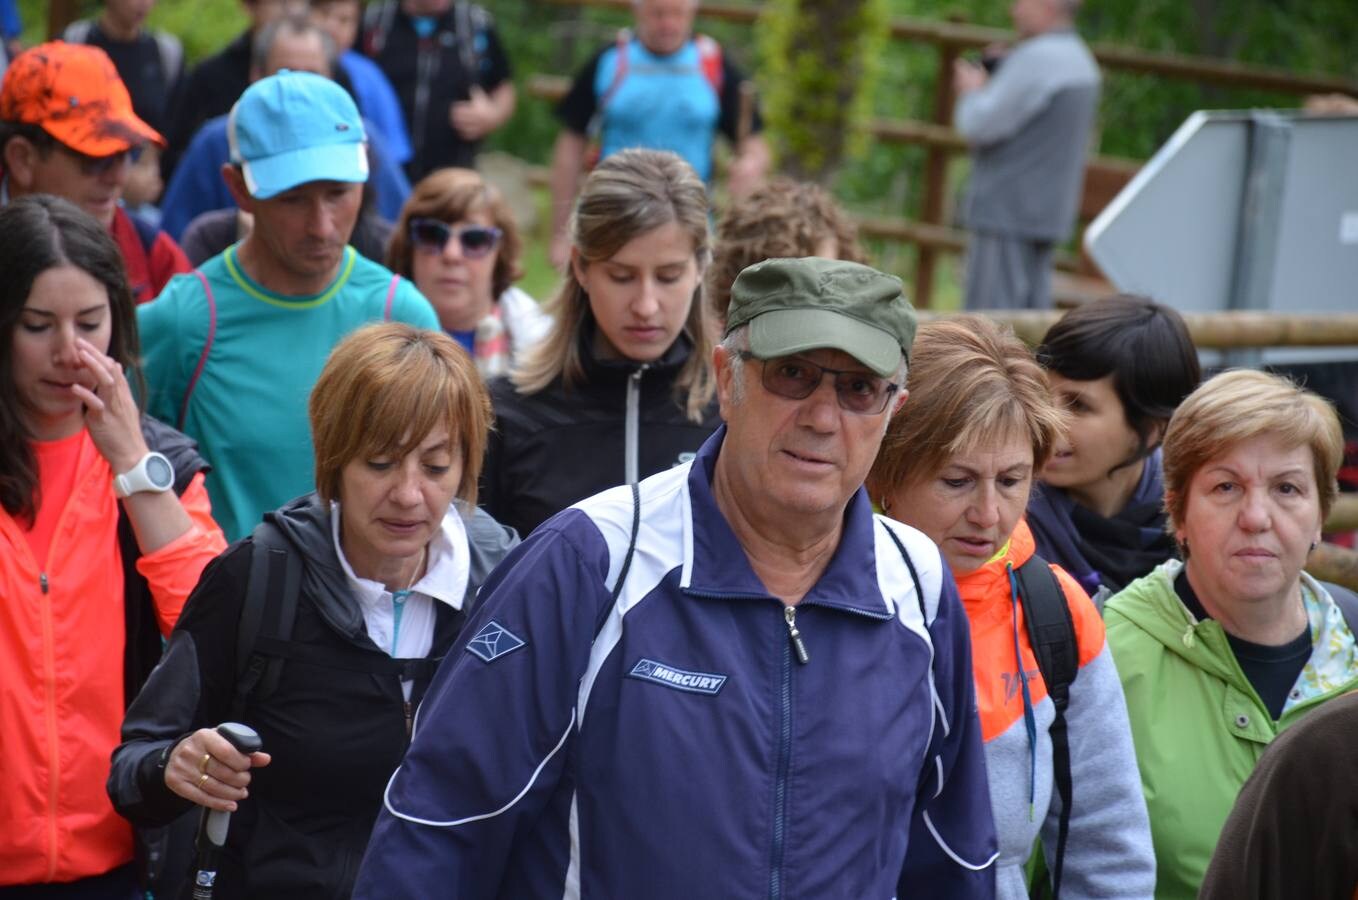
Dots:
pixel 719 574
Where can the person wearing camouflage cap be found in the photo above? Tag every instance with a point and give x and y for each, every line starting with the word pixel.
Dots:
pixel 67 128
pixel 731 680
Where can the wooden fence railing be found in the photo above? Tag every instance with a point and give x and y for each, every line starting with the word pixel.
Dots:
pixel 1103 177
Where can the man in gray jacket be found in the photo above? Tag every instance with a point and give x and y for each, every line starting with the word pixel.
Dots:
pixel 1028 125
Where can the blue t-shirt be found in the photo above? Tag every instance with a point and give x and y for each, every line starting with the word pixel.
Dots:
pixel 248 408
pixel 466 338
pixel 662 102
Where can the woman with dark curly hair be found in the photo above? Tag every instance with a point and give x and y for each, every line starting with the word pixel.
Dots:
pixel 783 218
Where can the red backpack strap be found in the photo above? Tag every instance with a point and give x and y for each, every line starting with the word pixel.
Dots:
pixel 207 347
pixel 391 297
pixel 709 60
pixel 619 66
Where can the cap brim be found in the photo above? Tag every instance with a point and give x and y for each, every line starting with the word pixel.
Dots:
pixel 782 332
pixel 107 137
pixel 268 177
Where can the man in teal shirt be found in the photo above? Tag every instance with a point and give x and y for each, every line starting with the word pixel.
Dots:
pixel 232 350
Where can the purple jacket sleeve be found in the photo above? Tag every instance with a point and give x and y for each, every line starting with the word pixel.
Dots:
pixel 952 847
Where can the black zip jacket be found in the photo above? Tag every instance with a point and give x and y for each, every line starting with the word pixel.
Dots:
pixel 556 447
pixel 335 734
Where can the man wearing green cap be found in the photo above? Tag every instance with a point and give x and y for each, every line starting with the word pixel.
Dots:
pixel 731 680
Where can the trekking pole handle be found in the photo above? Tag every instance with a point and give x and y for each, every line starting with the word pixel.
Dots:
pixel 214 823
pixel 246 740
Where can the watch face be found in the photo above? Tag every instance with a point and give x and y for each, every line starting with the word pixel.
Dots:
pixel 159 472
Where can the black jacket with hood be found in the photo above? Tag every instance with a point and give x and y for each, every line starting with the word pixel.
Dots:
pixel 335 735
pixel 622 422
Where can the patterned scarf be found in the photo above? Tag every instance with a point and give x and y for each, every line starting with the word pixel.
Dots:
pixel 490 348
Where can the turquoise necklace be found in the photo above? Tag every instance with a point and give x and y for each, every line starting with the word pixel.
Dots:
pixel 398 601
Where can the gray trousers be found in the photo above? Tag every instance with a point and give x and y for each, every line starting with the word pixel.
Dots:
pixel 1006 272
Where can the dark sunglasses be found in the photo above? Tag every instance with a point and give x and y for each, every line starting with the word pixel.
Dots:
pixel 95 166
pixel 796 379
pixel 432 236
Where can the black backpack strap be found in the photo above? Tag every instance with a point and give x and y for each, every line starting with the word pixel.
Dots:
pixel 1347 601
pixel 1051 631
pixel 626 560
pixel 348 659
pixel 914 576
pixel 270 596
pixel 925 771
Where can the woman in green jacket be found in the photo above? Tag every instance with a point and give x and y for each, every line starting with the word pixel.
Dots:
pixel 1221 651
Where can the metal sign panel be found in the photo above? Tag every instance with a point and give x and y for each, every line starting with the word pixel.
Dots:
pixel 1189 228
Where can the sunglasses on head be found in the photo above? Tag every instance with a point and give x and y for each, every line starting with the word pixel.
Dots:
pixel 797 378
pixel 432 236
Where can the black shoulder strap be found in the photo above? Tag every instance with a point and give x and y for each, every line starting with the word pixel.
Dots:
pixel 349 659
pixel 1347 601
pixel 925 771
pixel 1051 631
pixel 469 20
pixel 914 576
pixel 626 560
pixel 270 596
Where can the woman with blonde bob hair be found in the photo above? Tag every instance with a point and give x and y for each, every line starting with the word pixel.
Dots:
pixel 958 463
pixel 622 385
pixel 458 242
pixel 1222 650
pixel 322 629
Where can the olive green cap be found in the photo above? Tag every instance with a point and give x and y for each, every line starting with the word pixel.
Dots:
pixel 795 305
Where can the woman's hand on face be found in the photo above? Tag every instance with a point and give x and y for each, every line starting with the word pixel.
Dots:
pixel 111 415
pixel 206 769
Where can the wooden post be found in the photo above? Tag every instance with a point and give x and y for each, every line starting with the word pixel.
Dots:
pixel 935 179
pixel 1336 564
pixel 60 14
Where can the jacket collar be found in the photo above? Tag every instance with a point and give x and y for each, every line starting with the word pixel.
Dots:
pixel 986 590
pixel 445 576
pixel 599 370
pixel 718 566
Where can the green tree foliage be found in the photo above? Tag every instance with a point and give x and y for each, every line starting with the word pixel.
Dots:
pixel 818 62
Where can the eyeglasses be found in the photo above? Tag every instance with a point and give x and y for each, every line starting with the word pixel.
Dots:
pixel 97 166
pixel 797 378
pixel 432 236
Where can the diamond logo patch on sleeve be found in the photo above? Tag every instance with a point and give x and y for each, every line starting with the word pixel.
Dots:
pixel 494 641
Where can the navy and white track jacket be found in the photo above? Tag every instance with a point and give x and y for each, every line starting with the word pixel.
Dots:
pixel 681 749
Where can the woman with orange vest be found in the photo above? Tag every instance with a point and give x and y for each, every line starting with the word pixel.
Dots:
pixel 958 464
pixel 104 529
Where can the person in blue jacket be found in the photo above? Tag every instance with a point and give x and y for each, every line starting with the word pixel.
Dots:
pixel 197 185
pixel 731 681
pixel 373 92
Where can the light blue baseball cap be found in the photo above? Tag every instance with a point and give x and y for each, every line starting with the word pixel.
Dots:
pixel 295 127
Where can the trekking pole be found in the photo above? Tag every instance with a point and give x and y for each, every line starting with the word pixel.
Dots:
pixel 213 823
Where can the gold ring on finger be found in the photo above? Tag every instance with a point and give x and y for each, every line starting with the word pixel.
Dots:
pixel 203 781
pixel 202 766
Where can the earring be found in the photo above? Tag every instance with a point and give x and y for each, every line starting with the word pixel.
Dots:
pixel 1313 547
pixel 885 504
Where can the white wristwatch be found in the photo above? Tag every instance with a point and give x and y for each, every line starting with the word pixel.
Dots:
pixel 153 473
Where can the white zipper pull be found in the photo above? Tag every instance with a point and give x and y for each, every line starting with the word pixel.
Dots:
pixel 790 617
